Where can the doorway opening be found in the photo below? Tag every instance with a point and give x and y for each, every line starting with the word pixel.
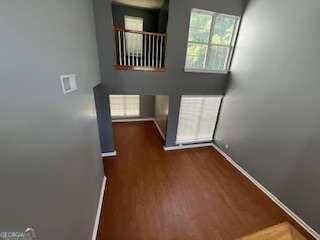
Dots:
pixel 141 108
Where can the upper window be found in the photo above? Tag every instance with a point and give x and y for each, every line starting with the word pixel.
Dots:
pixel 133 40
pixel 125 105
pixel 211 41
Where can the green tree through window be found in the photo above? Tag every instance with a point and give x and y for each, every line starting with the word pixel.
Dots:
pixel 210 41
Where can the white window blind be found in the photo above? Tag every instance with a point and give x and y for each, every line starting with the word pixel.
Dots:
pixel 211 41
pixel 133 40
pixel 197 118
pixel 125 105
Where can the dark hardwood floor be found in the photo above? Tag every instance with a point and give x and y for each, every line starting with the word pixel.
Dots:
pixel 177 195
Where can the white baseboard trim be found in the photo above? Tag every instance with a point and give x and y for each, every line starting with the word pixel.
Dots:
pixel 109 154
pixel 133 120
pixel 195 145
pixel 269 194
pixel 96 223
pixel 159 129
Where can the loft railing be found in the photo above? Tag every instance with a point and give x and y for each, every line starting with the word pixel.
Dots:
pixel 136 50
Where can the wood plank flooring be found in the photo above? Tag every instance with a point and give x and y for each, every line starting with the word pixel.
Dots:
pixel 177 195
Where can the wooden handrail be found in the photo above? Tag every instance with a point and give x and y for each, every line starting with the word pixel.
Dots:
pixel 137 68
pixel 138 32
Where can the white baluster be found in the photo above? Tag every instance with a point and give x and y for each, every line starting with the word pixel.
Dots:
pixel 149 62
pixel 124 48
pixel 134 54
pixel 157 60
pixel 119 47
pixel 161 42
pixel 144 49
pixel 128 50
pixel 153 55
pixel 136 51
pixel 138 44
pixel 141 49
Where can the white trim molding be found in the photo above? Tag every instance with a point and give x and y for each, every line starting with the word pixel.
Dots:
pixel 109 154
pixel 195 70
pixel 159 129
pixel 269 194
pixel 181 146
pixel 96 223
pixel 133 120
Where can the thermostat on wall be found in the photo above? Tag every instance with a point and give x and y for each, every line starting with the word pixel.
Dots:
pixel 68 83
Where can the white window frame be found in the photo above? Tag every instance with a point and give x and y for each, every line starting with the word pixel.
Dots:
pixel 216 120
pixel 125 115
pixel 129 51
pixel 231 46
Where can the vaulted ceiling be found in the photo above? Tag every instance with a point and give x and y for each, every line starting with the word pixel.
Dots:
pixel 152 4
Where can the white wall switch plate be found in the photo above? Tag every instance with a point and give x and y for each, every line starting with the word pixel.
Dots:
pixel 68 83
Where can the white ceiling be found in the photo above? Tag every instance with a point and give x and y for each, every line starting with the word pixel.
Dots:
pixel 152 4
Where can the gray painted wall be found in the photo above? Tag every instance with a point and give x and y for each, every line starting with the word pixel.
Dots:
pixel 161 112
pixel 174 81
pixel 104 119
pixel 270 115
pixel 163 17
pixel 50 169
pixel 173 120
pixel 150 16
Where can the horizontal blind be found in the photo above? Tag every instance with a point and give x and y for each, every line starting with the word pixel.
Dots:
pixel 197 118
pixel 125 105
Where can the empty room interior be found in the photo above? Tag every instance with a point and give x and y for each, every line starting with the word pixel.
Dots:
pixel 159 120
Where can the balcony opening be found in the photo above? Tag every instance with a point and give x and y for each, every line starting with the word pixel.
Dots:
pixel 139 29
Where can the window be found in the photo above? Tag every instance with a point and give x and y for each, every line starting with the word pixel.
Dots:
pixel 133 40
pixel 197 118
pixel 125 105
pixel 211 41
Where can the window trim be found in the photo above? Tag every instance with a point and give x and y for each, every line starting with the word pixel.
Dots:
pixel 231 47
pixel 125 115
pixel 128 52
pixel 198 141
pixel 133 17
pixel 197 70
